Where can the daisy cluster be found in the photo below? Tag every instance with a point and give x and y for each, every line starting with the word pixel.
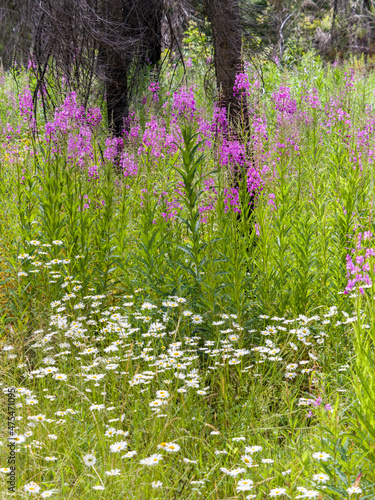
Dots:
pixel 111 367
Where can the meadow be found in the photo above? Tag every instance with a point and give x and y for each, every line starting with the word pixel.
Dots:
pixel 188 311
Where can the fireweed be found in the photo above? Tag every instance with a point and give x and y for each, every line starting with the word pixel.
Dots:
pixel 188 308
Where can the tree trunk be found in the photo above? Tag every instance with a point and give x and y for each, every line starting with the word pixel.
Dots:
pixel 334 15
pixel 224 16
pixel 151 19
pixel 115 66
pixel 117 94
pixel 140 21
pixel 143 20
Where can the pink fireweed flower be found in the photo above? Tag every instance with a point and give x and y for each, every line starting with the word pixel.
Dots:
pixel 284 102
pixel 241 85
pixel 26 106
pixel 183 104
pixel 128 164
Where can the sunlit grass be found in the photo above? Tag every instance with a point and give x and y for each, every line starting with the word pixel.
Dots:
pixel 164 340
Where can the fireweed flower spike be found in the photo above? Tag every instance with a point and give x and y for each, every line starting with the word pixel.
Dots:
pixel 164 284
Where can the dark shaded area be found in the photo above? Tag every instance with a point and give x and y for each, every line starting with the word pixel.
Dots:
pixel 74 44
pixel 111 47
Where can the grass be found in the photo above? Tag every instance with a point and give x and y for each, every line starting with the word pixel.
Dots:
pixel 148 312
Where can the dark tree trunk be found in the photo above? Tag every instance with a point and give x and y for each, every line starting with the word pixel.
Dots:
pixel 224 16
pixel 334 15
pixel 143 19
pixel 117 94
pixel 138 20
pixel 151 19
pixel 115 67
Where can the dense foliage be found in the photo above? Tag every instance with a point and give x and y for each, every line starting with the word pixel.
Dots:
pixel 187 310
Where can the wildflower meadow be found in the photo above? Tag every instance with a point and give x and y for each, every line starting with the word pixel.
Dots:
pixel 187 311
